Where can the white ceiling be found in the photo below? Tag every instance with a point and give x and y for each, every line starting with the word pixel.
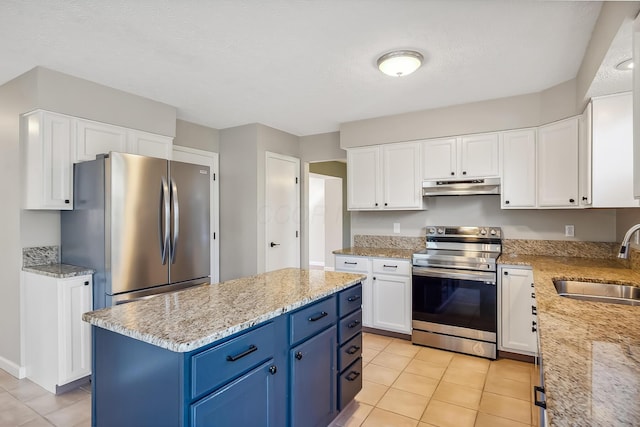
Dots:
pixel 300 66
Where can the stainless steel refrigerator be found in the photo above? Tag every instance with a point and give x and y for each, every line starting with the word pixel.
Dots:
pixel 142 223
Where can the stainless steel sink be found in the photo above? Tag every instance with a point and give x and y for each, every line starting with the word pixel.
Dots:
pixel 598 292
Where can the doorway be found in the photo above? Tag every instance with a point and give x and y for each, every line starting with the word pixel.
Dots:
pixel 325 220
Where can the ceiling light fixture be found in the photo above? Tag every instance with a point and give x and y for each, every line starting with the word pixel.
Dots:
pixel 625 65
pixel 400 63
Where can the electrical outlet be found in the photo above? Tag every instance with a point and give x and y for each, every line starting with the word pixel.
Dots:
pixel 396 227
pixel 569 230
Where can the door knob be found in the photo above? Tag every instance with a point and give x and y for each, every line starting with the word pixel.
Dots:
pixel 274 244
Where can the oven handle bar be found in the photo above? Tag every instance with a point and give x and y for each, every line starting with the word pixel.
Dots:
pixel 488 278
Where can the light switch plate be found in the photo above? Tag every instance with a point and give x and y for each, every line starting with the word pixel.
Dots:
pixel 569 230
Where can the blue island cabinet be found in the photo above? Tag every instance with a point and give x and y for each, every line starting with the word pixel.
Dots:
pixel 286 371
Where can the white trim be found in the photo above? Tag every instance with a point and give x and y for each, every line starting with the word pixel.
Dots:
pixel 215 204
pixel 316 263
pixel 12 368
pixel 329 269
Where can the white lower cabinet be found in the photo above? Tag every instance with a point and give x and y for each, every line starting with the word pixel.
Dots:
pixel 386 292
pixel 391 286
pixel 57 341
pixel 517 319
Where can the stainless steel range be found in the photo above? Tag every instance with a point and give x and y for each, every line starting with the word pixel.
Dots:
pixel 454 290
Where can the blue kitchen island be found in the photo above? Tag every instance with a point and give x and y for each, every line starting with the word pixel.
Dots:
pixel 278 349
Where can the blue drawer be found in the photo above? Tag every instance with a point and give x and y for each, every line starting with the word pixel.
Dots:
pixel 349 300
pixel 349 352
pixel 212 368
pixel 350 326
pixel 350 384
pixel 312 319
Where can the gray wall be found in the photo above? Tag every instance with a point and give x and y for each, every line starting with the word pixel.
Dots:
pixel 242 195
pixel 338 169
pixel 590 224
pixel 197 136
pixel 321 147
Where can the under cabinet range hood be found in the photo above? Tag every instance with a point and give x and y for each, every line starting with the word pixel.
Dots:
pixel 461 187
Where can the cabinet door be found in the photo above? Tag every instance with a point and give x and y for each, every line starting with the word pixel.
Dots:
pixel 401 176
pixel 519 169
pixel 48 170
pixel 613 151
pixel 363 178
pixel 367 301
pixel 149 144
pixel 74 299
pixel 558 164
pixel 516 291
pixel 313 380
pixel 479 155
pixel 585 153
pixel 392 303
pixel 248 401
pixel 98 138
pixel 439 158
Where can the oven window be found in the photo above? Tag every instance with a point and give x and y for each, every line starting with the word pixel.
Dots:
pixel 464 303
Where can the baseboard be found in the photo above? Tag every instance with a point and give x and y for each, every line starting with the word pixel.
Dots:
pixel 329 269
pixel 12 368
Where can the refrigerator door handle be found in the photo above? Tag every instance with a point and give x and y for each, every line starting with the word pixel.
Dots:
pixel 176 220
pixel 165 223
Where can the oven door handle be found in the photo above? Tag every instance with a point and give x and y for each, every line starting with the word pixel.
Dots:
pixel 488 278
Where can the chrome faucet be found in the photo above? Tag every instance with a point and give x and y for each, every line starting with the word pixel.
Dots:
pixel 624 249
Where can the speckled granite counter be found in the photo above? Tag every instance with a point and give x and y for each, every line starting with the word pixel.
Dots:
pixel 186 320
pixel 591 351
pixel 376 252
pixel 59 271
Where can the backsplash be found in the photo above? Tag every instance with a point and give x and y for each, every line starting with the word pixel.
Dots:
pixel 40 255
pixel 560 248
pixel 395 242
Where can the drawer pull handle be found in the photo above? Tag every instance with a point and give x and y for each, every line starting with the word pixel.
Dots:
pixel 352 376
pixel 533 295
pixel 540 403
pixel 299 355
pixel 353 324
pixel 353 298
pixel 273 369
pixel 389 266
pixel 247 352
pixel 353 349
pixel 350 263
pixel 318 316
pixel 533 329
pixel 534 310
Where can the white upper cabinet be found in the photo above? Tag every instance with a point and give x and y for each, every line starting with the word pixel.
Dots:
pixel 363 178
pixel 439 158
pixel 47 140
pixel 479 156
pixel 149 144
pixel 402 186
pixel 519 169
pixel 612 145
pixel 470 156
pixel 558 164
pixel 384 177
pixel 95 138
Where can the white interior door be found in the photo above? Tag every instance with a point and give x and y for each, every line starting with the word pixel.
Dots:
pixel 207 158
pixel 282 212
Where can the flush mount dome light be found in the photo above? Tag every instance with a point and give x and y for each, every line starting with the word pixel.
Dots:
pixel 400 62
pixel 625 65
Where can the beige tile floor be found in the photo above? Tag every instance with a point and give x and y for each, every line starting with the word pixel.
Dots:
pixel 407 385
pixel 403 385
pixel 25 404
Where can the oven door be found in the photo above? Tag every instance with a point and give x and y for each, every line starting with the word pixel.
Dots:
pixel 456 302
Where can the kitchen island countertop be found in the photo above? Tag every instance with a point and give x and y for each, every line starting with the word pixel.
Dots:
pixel 189 319
pixel 590 351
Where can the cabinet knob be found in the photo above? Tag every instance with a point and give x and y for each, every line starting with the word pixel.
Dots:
pixel 299 355
pixel 464 172
pixel 386 204
pixel 506 202
pixel 374 278
pixel 376 204
pixel 571 200
pixel 67 201
pixel 585 198
pixel 453 173
pixel 86 283
pixel 273 369
pixel 506 273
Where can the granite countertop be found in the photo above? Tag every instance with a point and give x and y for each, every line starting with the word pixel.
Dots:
pixel 186 320
pixel 590 351
pixel 59 271
pixel 376 252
